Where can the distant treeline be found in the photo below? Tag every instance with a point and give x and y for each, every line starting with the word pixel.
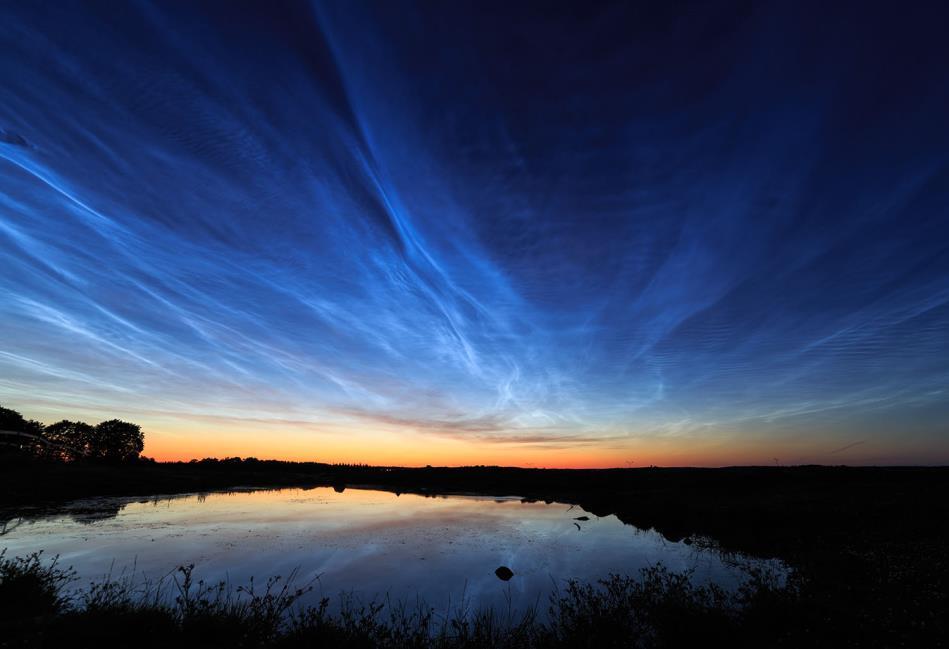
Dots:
pixel 253 461
pixel 70 441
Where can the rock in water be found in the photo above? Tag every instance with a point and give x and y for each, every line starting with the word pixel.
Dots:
pixel 504 573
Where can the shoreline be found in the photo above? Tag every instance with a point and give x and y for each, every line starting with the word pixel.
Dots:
pixel 759 511
pixel 866 545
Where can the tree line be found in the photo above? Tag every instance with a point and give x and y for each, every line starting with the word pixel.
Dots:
pixel 70 441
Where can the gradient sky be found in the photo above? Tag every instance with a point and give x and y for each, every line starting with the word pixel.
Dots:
pixel 471 233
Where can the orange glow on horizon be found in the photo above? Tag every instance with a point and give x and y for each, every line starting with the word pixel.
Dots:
pixel 412 449
pixel 183 437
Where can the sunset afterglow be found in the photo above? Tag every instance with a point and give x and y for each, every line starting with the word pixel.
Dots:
pixel 346 233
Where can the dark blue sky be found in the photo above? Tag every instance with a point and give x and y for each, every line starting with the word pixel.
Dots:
pixel 465 232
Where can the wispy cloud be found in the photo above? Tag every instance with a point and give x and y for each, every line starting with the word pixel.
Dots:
pixel 847 447
pixel 337 227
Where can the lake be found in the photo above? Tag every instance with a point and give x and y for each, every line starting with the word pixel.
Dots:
pixel 362 542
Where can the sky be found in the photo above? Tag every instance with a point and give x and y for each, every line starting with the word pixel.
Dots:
pixel 548 234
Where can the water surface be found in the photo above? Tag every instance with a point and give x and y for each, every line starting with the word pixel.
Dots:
pixel 362 542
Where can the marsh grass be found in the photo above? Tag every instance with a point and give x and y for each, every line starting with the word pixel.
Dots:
pixel 656 608
pixel 41 606
pixel 30 586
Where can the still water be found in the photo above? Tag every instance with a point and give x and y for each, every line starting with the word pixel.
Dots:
pixel 368 544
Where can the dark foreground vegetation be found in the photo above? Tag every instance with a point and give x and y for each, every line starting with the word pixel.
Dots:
pixel 657 608
pixel 867 545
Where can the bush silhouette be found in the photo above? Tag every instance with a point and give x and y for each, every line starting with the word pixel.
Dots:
pixel 31 587
pixel 13 422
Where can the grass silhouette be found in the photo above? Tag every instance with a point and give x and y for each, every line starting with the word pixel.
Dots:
pixel 656 608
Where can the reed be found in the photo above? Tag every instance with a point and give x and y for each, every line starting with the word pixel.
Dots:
pixel 40 606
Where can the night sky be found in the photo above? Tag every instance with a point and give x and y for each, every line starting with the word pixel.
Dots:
pixel 465 233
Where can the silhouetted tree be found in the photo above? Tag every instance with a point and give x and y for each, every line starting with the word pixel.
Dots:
pixel 69 440
pixel 13 422
pixel 116 441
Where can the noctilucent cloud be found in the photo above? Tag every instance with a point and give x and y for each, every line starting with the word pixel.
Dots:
pixel 476 233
